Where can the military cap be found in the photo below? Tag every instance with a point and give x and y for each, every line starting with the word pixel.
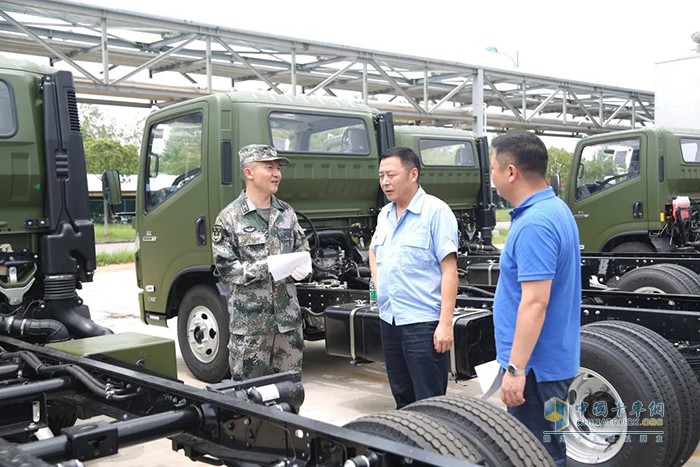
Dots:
pixel 260 153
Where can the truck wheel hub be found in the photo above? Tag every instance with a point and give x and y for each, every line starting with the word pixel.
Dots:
pixel 203 334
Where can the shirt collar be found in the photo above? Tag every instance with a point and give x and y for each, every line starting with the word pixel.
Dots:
pixel 532 199
pixel 274 203
pixel 416 204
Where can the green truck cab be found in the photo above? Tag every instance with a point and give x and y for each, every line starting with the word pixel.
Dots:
pixel 625 190
pixel 47 241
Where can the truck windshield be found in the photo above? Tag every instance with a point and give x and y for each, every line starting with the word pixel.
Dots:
pixel 318 133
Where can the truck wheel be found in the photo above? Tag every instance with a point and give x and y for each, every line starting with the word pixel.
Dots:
pixel 500 438
pixel 203 334
pixel 651 279
pixel 681 375
pixel 633 247
pixel 692 280
pixel 613 374
pixel 417 430
pixel 60 415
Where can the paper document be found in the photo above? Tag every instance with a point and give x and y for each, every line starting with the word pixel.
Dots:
pixel 281 266
pixel 487 373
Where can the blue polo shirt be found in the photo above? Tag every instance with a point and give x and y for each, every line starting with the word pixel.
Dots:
pixel 542 244
pixel 408 253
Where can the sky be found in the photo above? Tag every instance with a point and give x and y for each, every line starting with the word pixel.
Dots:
pixel 607 42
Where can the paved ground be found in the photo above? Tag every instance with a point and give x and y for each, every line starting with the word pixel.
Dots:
pixel 336 392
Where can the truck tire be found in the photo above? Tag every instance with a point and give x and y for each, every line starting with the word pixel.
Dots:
pixel 417 430
pixel 614 372
pixel 203 334
pixel 500 438
pixel 633 247
pixel 652 279
pixel 691 279
pixel 681 375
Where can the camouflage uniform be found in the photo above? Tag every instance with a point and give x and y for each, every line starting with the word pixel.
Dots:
pixel 266 322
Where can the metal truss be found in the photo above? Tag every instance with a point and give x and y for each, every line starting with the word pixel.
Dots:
pixel 126 58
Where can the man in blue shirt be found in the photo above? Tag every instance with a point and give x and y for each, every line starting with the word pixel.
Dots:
pixel 414 268
pixel 538 297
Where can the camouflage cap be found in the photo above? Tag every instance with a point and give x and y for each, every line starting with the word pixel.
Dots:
pixel 260 153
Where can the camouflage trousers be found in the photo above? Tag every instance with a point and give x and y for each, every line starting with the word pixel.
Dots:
pixel 255 356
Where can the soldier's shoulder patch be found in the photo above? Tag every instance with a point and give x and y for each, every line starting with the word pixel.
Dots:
pixel 249 229
pixel 217 233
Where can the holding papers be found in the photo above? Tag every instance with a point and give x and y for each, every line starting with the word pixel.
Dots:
pixel 281 266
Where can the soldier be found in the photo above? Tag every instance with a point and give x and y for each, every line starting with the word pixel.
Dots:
pixel 266 323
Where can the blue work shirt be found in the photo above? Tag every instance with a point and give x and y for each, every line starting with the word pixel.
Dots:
pixel 542 244
pixel 408 253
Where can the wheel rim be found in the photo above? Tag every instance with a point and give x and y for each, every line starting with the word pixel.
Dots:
pixel 589 442
pixel 203 334
pixel 650 289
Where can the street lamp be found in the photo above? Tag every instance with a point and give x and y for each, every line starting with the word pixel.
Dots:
pixel 516 60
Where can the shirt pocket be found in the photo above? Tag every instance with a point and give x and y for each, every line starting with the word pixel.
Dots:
pixel 415 249
pixel 252 246
pixel 378 244
pixel 286 238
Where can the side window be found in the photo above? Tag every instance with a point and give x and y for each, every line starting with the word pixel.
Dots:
pixel 8 112
pixel 447 153
pixel 606 165
pixel 691 150
pixel 174 157
pixel 318 133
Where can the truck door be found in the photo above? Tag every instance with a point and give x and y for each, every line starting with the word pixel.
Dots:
pixel 172 226
pixel 607 190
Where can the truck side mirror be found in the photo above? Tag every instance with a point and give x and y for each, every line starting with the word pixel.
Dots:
pixel 111 187
pixel 555 183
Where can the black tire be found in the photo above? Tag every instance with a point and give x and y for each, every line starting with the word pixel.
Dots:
pixel 691 279
pixel 614 371
pixel 681 375
pixel 60 415
pixel 417 430
pixel 500 438
pixel 651 279
pixel 633 247
pixel 203 334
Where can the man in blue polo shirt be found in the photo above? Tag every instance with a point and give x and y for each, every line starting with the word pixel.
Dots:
pixel 414 267
pixel 538 297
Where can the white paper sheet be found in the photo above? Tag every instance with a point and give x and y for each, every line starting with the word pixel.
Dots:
pixel 487 373
pixel 281 266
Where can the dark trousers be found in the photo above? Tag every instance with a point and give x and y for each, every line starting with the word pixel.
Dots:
pixel 415 370
pixel 532 414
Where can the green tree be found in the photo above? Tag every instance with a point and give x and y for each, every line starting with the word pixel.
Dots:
pixel 559 162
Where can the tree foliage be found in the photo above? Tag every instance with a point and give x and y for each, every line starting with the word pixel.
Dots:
pixel 560 161
pixel 107 145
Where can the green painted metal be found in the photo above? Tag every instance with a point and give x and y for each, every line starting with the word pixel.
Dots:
pixel 21 153
pixel 155 354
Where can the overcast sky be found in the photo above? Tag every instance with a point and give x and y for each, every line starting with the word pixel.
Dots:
pixel 603 41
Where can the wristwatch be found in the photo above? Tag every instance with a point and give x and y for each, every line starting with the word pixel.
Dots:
pixel 513 370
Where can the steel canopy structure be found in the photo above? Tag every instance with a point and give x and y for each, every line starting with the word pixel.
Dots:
pixel 125 58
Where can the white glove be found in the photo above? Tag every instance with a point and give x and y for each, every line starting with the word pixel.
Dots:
pixel 300 272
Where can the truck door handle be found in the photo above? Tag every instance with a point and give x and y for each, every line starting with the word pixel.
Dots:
pixel 581 215
pixel 201 230
pixel 638 210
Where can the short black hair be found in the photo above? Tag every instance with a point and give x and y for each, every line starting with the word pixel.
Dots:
pixel 527 150
pixel 409 159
